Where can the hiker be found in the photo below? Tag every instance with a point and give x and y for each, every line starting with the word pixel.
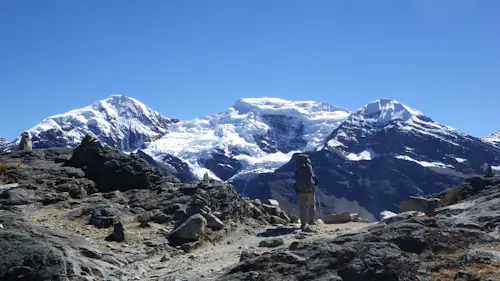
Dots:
pixel 305 180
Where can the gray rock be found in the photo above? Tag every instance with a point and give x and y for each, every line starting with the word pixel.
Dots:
pixel 272 202
pixel 118 234
pixel 284 216
pixel 421 204
pixel 337 218
pixel 271 242
pixel 277 220
pixel 271 209
pixel 212 221
pixel 294 219
pixel 189 231
pixel 387 214
pixel 401 217
pixel 245 255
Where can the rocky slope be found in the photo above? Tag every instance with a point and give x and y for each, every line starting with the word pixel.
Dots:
pixel 380 154
pixel 117 121
pixel 94 213
pixel 462 242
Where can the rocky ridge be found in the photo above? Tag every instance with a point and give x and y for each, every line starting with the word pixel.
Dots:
pixel 461 242
pixel 61 209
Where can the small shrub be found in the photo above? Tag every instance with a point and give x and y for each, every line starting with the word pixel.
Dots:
pixel 3 168
pixel 453 197
pixel 21 165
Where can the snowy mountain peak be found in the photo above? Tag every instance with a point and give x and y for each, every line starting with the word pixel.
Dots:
pixel 278 106
pixel 494 139
pixel 254 134
pixel 387 110
pixel 118 121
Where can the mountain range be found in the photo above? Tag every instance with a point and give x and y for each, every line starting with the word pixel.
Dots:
pixel 367 160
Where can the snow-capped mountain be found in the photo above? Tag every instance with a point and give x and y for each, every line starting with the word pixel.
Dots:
pixel 118 121
pixel 494 139
pixel 387 127
pixel 378 155
pixel 255 135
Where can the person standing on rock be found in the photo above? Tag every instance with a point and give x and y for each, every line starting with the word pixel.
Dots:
pixel 305 180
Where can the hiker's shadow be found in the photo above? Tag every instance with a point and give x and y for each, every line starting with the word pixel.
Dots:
pixel 276 232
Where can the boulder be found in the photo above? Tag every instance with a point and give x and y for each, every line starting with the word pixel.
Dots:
pixel 387 214
pixel 189 231
pixel 271 209
pixel 277 220
pixel 112 169
pixel 272 202
pixel 118 234
pixel 337 218
pixel 212 221
pixel 401 217
pixel 103 217
pixel 245 255
pixel 284 216
pixel 271 242
pixel 421 204
pixel 254 211
pixel 294 219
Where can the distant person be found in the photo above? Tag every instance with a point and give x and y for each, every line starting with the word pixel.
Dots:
pixel 305 180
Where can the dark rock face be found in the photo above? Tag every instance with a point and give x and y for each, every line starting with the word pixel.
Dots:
pixel 170 166
pixel 113 170
pixel 221 165
pixel 285 135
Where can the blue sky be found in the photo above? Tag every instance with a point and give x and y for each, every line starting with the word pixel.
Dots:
pixel 194 58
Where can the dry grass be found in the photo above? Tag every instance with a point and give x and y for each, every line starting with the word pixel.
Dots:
pixel 453 197
pixel 488 271
pixel 3 168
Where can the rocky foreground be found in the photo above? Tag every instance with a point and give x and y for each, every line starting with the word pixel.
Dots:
pixel 94 213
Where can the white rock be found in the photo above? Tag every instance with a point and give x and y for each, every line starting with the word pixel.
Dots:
pixel 387 214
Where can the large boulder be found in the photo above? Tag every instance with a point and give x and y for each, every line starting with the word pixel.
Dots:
pixel 420 204
pixel 337 218
pixel 212 221
pixel 190 231
pixel 271 242
pixel 112 169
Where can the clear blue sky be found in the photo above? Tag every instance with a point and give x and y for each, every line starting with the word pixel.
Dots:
pixel 194 58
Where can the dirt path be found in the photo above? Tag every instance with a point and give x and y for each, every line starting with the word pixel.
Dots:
pixel 210 261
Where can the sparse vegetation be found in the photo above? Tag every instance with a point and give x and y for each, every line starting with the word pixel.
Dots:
pixel 474 272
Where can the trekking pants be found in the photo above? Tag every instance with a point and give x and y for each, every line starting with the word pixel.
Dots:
pixel 307 202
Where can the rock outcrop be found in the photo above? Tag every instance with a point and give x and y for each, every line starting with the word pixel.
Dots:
pixel 25 143
pixel 420 204
pixel 407 247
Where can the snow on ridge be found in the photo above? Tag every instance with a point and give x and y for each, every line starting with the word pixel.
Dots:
pixel 235 129
pixel 493 140
pixel 111 119
pixel 434 164
pixel 367 154
pixel 386 110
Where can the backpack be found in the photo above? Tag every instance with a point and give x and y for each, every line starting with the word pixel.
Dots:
pixel 304 175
